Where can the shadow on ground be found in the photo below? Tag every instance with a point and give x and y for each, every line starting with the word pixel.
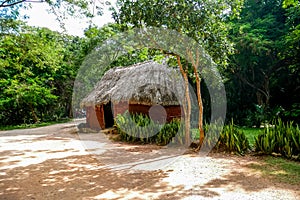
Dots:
pixel 67 166
pixel 79 177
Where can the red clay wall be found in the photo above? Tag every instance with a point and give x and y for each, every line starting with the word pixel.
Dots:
pixel 173 112
pixel 120 108
pixel 169 113
pixel 95 117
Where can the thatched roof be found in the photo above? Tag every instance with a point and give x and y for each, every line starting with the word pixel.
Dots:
pixel 147 83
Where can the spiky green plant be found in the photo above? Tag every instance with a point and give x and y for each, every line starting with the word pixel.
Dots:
pixel 228 138
pixel 233 140
pixel 283 138
pixel 140 128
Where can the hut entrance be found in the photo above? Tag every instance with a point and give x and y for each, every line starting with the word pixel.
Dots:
pixel 108 115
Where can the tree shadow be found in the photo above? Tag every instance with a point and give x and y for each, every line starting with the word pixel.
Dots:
pixel 248 175
pixel 112 174
pixel 79 177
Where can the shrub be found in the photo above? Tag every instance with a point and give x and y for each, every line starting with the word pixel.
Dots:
pixel 140 128
pixel 283 139
pixel 212 135
pixel 231 139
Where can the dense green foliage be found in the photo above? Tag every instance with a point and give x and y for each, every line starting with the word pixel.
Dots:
pixel 37 69
pixel 28 66
pixel 203 21
pixel 282 139
pixel 140 128
pixel 263 74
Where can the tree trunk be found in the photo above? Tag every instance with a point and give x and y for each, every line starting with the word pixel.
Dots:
pixel 267 90
pixel 200 105
pixel 187 104
pixel 35 118
pixel 199 97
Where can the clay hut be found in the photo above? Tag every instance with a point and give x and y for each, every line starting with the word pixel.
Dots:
pixel 148 88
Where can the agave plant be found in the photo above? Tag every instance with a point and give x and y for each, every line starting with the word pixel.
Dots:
pixel 233 140
pixel 283 139
pixel 140 128
pixel 228 138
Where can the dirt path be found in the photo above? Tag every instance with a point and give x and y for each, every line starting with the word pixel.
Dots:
pixel 53 163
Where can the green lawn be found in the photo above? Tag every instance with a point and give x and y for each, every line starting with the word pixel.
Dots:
pixel 251 133
pixel 24 126
pixel 283 170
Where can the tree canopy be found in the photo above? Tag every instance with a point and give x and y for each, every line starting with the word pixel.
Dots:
pixel 62 9
pixel 204 21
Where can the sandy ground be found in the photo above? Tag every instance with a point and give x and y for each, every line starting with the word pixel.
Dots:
pixel 56 163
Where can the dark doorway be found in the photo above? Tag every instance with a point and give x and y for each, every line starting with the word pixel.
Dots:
pixel 108 115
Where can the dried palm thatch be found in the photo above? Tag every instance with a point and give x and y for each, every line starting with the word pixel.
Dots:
pixel 147 83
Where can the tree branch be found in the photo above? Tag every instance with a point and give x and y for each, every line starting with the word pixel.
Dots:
pixel 7 4
pixel 252 85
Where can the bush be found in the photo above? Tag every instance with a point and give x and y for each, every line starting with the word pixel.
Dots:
pixel 231 139
pixel 283 139
pixel 140 128
pixel 262 115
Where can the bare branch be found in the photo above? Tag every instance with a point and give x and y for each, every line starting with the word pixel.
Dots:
pixel 6 3
pixel 252 85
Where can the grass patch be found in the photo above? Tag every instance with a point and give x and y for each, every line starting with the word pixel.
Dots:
pixel 283 170
pixel 41 124
pixel 251 133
